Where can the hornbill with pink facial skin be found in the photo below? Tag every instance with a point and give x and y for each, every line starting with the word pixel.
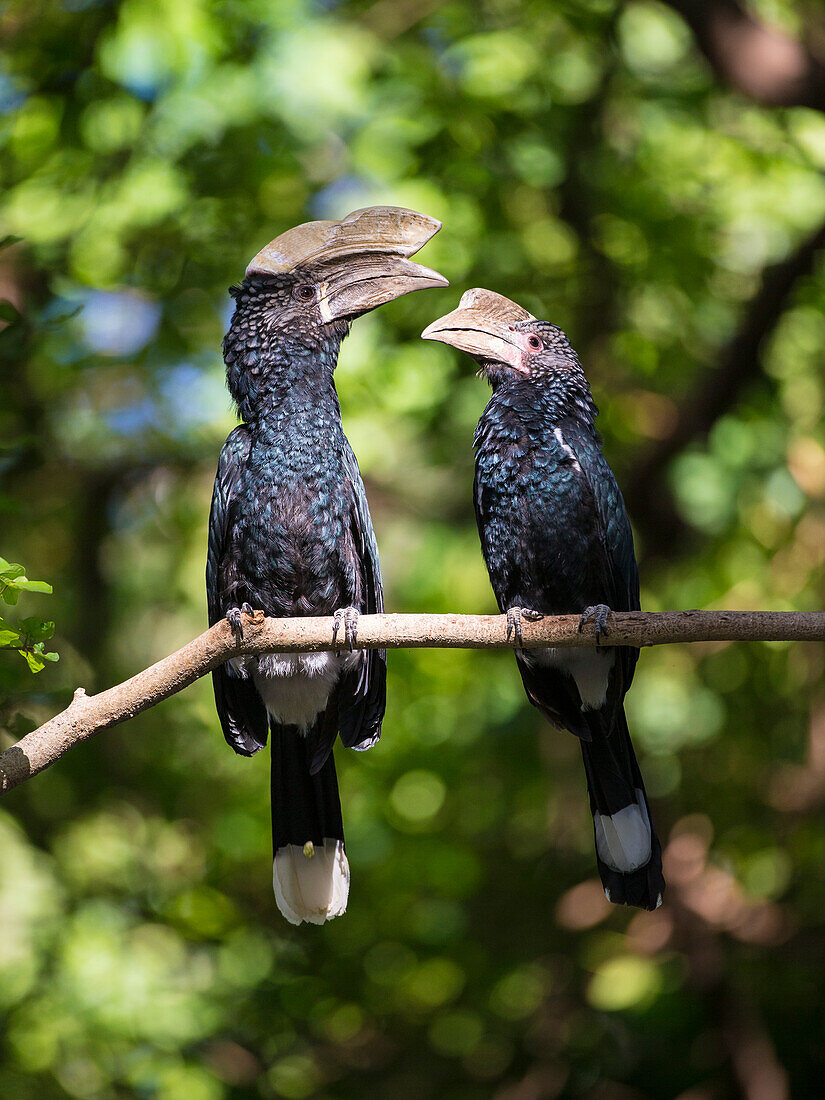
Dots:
pixel 556 539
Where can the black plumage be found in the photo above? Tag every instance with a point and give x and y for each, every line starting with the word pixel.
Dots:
pixel 290 533
pixel 556 540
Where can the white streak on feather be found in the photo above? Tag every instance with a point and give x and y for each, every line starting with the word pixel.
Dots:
pixel 568 450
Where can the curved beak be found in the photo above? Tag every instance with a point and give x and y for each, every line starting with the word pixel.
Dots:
pixel 481 326
pixel 361 262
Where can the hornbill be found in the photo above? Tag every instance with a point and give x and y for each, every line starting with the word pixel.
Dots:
pixel 290 530
pixel 556 539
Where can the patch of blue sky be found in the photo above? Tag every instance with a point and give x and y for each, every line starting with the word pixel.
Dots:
pixel 82 5
pixel 435 37
pixel 118 323
pixel 11 94
pixel 340 197
pixel 133 419
pixel 227 310
pixel 192 396
pixel 186 398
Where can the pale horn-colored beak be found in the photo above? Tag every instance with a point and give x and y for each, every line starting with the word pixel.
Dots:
pixel 359 262
pixel 481 326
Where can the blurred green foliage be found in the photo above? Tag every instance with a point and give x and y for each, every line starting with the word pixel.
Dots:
pixel 585 163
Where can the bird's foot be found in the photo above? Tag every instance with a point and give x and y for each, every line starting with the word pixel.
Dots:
pixel 234 616
pixel 348 616
pixel 598 613
pixel 514 617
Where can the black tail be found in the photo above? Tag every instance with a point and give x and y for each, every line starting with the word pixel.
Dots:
pixel 310 869
pixel 627 849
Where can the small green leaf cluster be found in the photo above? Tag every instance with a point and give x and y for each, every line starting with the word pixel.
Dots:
pixel 28 636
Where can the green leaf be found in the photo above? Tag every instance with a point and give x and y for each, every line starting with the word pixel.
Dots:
pixel 13 579
pixel 10 636
pixel 35 629
pixel 33 659
pixel 61 318
pixel 9 240
pixel 8 312
pixel 25 585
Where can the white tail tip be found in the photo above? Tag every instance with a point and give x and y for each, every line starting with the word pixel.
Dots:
pixel 623 840
pixel 311 882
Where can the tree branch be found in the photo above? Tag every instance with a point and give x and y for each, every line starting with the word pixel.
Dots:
pixel 716 391
pixel 86 714
pixel 760 61
pixel 774 69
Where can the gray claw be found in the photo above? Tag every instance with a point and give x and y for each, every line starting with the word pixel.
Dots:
pixel 349 616
pixel 598 613
pixel 514 617
pixel 514 624
pixel 234 616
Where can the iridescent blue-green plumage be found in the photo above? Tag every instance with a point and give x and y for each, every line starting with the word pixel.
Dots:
pixel 290 533
pixel 556 539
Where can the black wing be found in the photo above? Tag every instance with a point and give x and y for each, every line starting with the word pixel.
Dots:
pixel 615 534
pixel 614 526
pixel 362 693
pixel 551 689
pixel 240 709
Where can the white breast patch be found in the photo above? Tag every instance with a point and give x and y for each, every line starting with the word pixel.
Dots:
pixel 590 668
pixel 295 687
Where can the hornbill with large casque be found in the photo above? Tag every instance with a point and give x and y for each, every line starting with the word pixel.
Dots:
pixel 556 539
pixel 290 530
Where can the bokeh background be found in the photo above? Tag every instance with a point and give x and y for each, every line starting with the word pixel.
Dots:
pixel 655 187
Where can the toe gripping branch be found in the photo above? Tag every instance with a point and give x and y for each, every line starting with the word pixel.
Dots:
pixel 514 617
pixel 234 616
pixel 598 613
pixel 348 616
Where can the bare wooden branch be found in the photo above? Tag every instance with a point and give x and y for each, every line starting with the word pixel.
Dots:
pixel 87 714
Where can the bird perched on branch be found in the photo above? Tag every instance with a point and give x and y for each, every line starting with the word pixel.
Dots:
pixel 290 530
pixel 556 540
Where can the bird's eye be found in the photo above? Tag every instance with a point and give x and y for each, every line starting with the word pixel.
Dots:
pixel 305 292
pixel 534 343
